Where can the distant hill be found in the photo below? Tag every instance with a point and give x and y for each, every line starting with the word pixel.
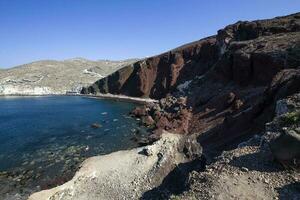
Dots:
pixel 55 77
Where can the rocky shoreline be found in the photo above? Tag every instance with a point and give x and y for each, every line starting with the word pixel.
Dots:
pixel 122 98
pixel 98 96
pixel 58 157
pixel 126 174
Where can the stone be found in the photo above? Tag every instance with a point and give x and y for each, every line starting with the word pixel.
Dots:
pixel 191 148
pixel 147 151
pixel 244 169
pixel 281 107
pixel 96 125
pixel 147 120
pixel 286 146
pixel 237 104
pixel 139 111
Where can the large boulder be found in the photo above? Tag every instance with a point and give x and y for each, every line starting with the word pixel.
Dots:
pixel 286 147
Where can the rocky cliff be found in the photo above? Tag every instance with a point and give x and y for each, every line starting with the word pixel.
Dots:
pixel 221 87
pixel 55 77
pixel 245 52
pixel 156 76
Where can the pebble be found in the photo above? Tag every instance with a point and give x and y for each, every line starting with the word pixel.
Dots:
pixel 266 181
pixel 148 152
pixel 244 169
pixel 96 125
pixel 209 170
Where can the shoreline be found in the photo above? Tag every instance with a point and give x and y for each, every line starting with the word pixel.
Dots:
pixel 71 152
pixel 98 96
pixel 138 171
pixel 121 98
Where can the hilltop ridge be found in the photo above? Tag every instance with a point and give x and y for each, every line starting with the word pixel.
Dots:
pixel 55 77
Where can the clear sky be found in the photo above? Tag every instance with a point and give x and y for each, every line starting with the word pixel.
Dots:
pixel 117 29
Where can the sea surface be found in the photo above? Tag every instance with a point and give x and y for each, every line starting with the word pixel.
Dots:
pixel 43 140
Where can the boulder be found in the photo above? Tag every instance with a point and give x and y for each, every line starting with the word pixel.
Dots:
pixel 139 111
pixel 147 120
pixel 286 147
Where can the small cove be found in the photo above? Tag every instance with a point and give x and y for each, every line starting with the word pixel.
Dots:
pixel 43 140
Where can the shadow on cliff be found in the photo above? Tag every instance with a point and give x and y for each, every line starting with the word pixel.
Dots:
pixel 175 182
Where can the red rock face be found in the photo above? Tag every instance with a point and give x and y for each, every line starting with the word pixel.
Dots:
pixel 234 79
pixel 157 76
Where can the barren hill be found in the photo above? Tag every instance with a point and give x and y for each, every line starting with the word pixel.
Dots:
pixel 55 77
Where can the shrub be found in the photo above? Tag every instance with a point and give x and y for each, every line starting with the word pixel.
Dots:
pixel 291 118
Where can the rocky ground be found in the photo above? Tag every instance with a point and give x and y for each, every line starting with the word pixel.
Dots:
pixel 251 169
pixel 248 172
pixel 55 77
pixel 125 174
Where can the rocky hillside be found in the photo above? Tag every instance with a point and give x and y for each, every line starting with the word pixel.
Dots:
pixel 222 87
pixel 244 53
pixel 55 77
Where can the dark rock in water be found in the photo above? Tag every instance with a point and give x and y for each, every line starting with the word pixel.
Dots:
pixel 134 138
pixel 96 125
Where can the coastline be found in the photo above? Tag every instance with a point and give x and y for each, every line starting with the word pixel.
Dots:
pixel 122 98
pixel 98 96
pixel 138 170
pixel 67 154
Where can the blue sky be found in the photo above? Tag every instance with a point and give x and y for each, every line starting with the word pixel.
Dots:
pixel 117 29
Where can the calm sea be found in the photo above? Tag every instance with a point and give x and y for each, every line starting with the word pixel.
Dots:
pixel 43 140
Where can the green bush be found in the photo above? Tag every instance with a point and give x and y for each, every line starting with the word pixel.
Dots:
pixel 291 118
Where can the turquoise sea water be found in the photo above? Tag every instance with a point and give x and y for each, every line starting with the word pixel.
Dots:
pixel 43 140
